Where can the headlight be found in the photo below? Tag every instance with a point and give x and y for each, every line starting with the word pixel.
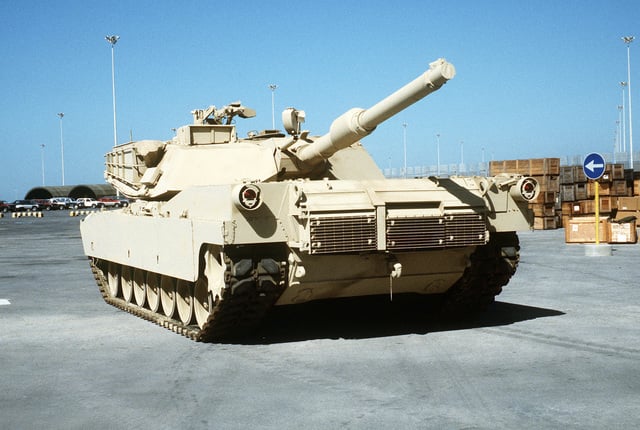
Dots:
pixel 526 189
pixel 247 197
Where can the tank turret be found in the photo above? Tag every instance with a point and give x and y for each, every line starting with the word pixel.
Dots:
pixel 209 151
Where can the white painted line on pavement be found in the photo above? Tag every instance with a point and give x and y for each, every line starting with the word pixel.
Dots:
pixel 4 302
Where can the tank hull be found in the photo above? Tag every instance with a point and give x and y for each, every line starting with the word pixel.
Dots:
pixel 224 228
pixel 211 261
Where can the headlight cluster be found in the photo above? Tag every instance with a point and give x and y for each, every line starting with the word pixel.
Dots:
pixel 247 196
pixel 526 189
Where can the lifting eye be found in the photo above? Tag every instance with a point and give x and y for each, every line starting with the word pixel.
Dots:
pixel 247 197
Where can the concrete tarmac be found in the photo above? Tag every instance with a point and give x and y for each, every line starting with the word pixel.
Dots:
pixel 560 349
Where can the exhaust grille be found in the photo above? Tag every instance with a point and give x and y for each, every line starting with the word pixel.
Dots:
pixel 437 232
pixel 333 234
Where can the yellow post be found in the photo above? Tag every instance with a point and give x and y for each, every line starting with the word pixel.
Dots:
pixel 597 212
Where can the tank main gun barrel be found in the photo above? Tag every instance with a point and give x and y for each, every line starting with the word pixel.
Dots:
pixel 357 123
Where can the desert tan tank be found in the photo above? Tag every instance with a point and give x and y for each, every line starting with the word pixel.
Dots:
pixel 222 228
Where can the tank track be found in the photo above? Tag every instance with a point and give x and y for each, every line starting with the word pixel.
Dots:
pixel 244 302
pixel 490 268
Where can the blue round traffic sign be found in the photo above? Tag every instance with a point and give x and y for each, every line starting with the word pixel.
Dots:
pixel 593 166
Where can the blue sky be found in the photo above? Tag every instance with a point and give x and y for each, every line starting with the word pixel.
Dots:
pixel 534 78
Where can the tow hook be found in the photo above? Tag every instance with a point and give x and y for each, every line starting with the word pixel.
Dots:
pixel 395 271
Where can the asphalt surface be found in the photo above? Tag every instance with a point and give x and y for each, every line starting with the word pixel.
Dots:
pixel 559 349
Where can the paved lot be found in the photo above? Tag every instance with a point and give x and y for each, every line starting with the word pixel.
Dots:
pixel 560 349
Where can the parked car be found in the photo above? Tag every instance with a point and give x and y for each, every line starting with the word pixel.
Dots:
pixel 4 206
pixel 43 204
pixel 24 205
pixel 62 203
pixel 87 202
pixel 113 202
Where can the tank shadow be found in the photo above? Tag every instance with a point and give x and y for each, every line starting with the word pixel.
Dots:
pixel 373 317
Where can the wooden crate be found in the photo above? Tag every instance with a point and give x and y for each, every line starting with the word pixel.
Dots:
pixel 583 230
pixel 623 232
pixel 511 166
pixel 548 183
pixel 580 191
pixel 628 203
pixel 567 193
pixel 578 174
pixel 545 166
pixel 616 171
pixel 543 209
pixel 619 187
pixel 546 197
pixel 566 175
pixel 605 189
pixel 588 207
pixel 608 203
pixel 544 223
pixel 529 167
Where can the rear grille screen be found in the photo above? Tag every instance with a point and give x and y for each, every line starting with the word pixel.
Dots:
pixel 333 234
pixel 440 232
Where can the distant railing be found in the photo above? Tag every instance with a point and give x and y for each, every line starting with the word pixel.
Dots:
pixel 482 168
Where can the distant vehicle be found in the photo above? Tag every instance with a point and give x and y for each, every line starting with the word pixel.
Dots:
pixel 87 202
pixel 43 204
pixel 62 203
pixel 113 202
pixel 24 205
pixel 4 206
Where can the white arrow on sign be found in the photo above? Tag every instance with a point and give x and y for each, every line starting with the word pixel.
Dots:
pixel 591 165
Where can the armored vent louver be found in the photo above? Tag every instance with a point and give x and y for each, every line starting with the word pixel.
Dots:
pixel 435 232
pixel 334 234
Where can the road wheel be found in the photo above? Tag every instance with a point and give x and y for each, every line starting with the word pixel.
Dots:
pixel 113 278
pixel 139 286
pixel 126 283
pixel 153 291
pixel 168 295
pixel 184 300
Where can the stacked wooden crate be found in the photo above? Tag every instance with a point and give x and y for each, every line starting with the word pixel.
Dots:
pixel 546 207
pixel 577 193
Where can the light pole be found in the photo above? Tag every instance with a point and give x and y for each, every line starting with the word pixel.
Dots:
pixel 461 155
pixel 628 40
pixel 619 128
pixel 42 161
pixel 61 115
pixel 273 88
pixel 617 140
pixel 438 152
pixel 113 40
pixel 624 119
pixel 404 145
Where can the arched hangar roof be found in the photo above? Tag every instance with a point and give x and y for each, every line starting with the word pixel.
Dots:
pixel 73 191
pixel 48 192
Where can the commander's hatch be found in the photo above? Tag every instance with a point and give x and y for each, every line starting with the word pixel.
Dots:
pixel 205 134
pixel 213 125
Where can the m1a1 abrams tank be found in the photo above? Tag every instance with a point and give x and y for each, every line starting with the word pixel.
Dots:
pixel 222 228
